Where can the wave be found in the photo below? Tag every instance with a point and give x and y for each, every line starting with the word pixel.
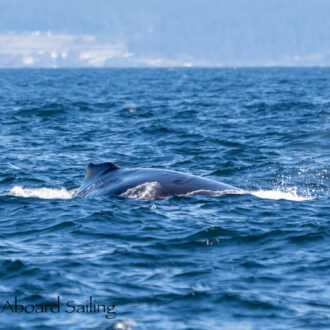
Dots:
pixel 44 193
pixel 152 191
pixel 290 195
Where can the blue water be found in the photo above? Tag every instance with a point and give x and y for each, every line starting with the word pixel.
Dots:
pixel 256 260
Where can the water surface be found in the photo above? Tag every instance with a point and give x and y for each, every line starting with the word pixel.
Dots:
pixel 254 260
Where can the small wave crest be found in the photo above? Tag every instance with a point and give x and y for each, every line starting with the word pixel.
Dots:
pixel 153 191
pixel 44 193
pixel 290 195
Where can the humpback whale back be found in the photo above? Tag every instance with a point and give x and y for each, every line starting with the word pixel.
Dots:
pixel 108 179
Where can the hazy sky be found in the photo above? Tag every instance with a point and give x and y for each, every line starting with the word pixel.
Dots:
pixel 56 33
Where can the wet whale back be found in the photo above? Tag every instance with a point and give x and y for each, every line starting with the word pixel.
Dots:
pixel 108 179
pixel 178 183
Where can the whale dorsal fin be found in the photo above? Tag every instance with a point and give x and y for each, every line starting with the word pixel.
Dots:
pixel 93 169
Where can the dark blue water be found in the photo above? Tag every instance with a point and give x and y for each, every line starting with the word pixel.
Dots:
pixel 255 260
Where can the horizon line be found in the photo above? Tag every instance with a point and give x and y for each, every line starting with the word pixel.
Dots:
pixel 168 67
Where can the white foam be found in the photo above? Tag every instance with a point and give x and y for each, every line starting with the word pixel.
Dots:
pixel 290 195
pixel 44 193
pixel 152 191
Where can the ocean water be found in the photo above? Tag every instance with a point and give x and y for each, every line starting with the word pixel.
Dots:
pixel 256 260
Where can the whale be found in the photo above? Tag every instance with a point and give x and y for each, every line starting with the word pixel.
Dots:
pixel 108 179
